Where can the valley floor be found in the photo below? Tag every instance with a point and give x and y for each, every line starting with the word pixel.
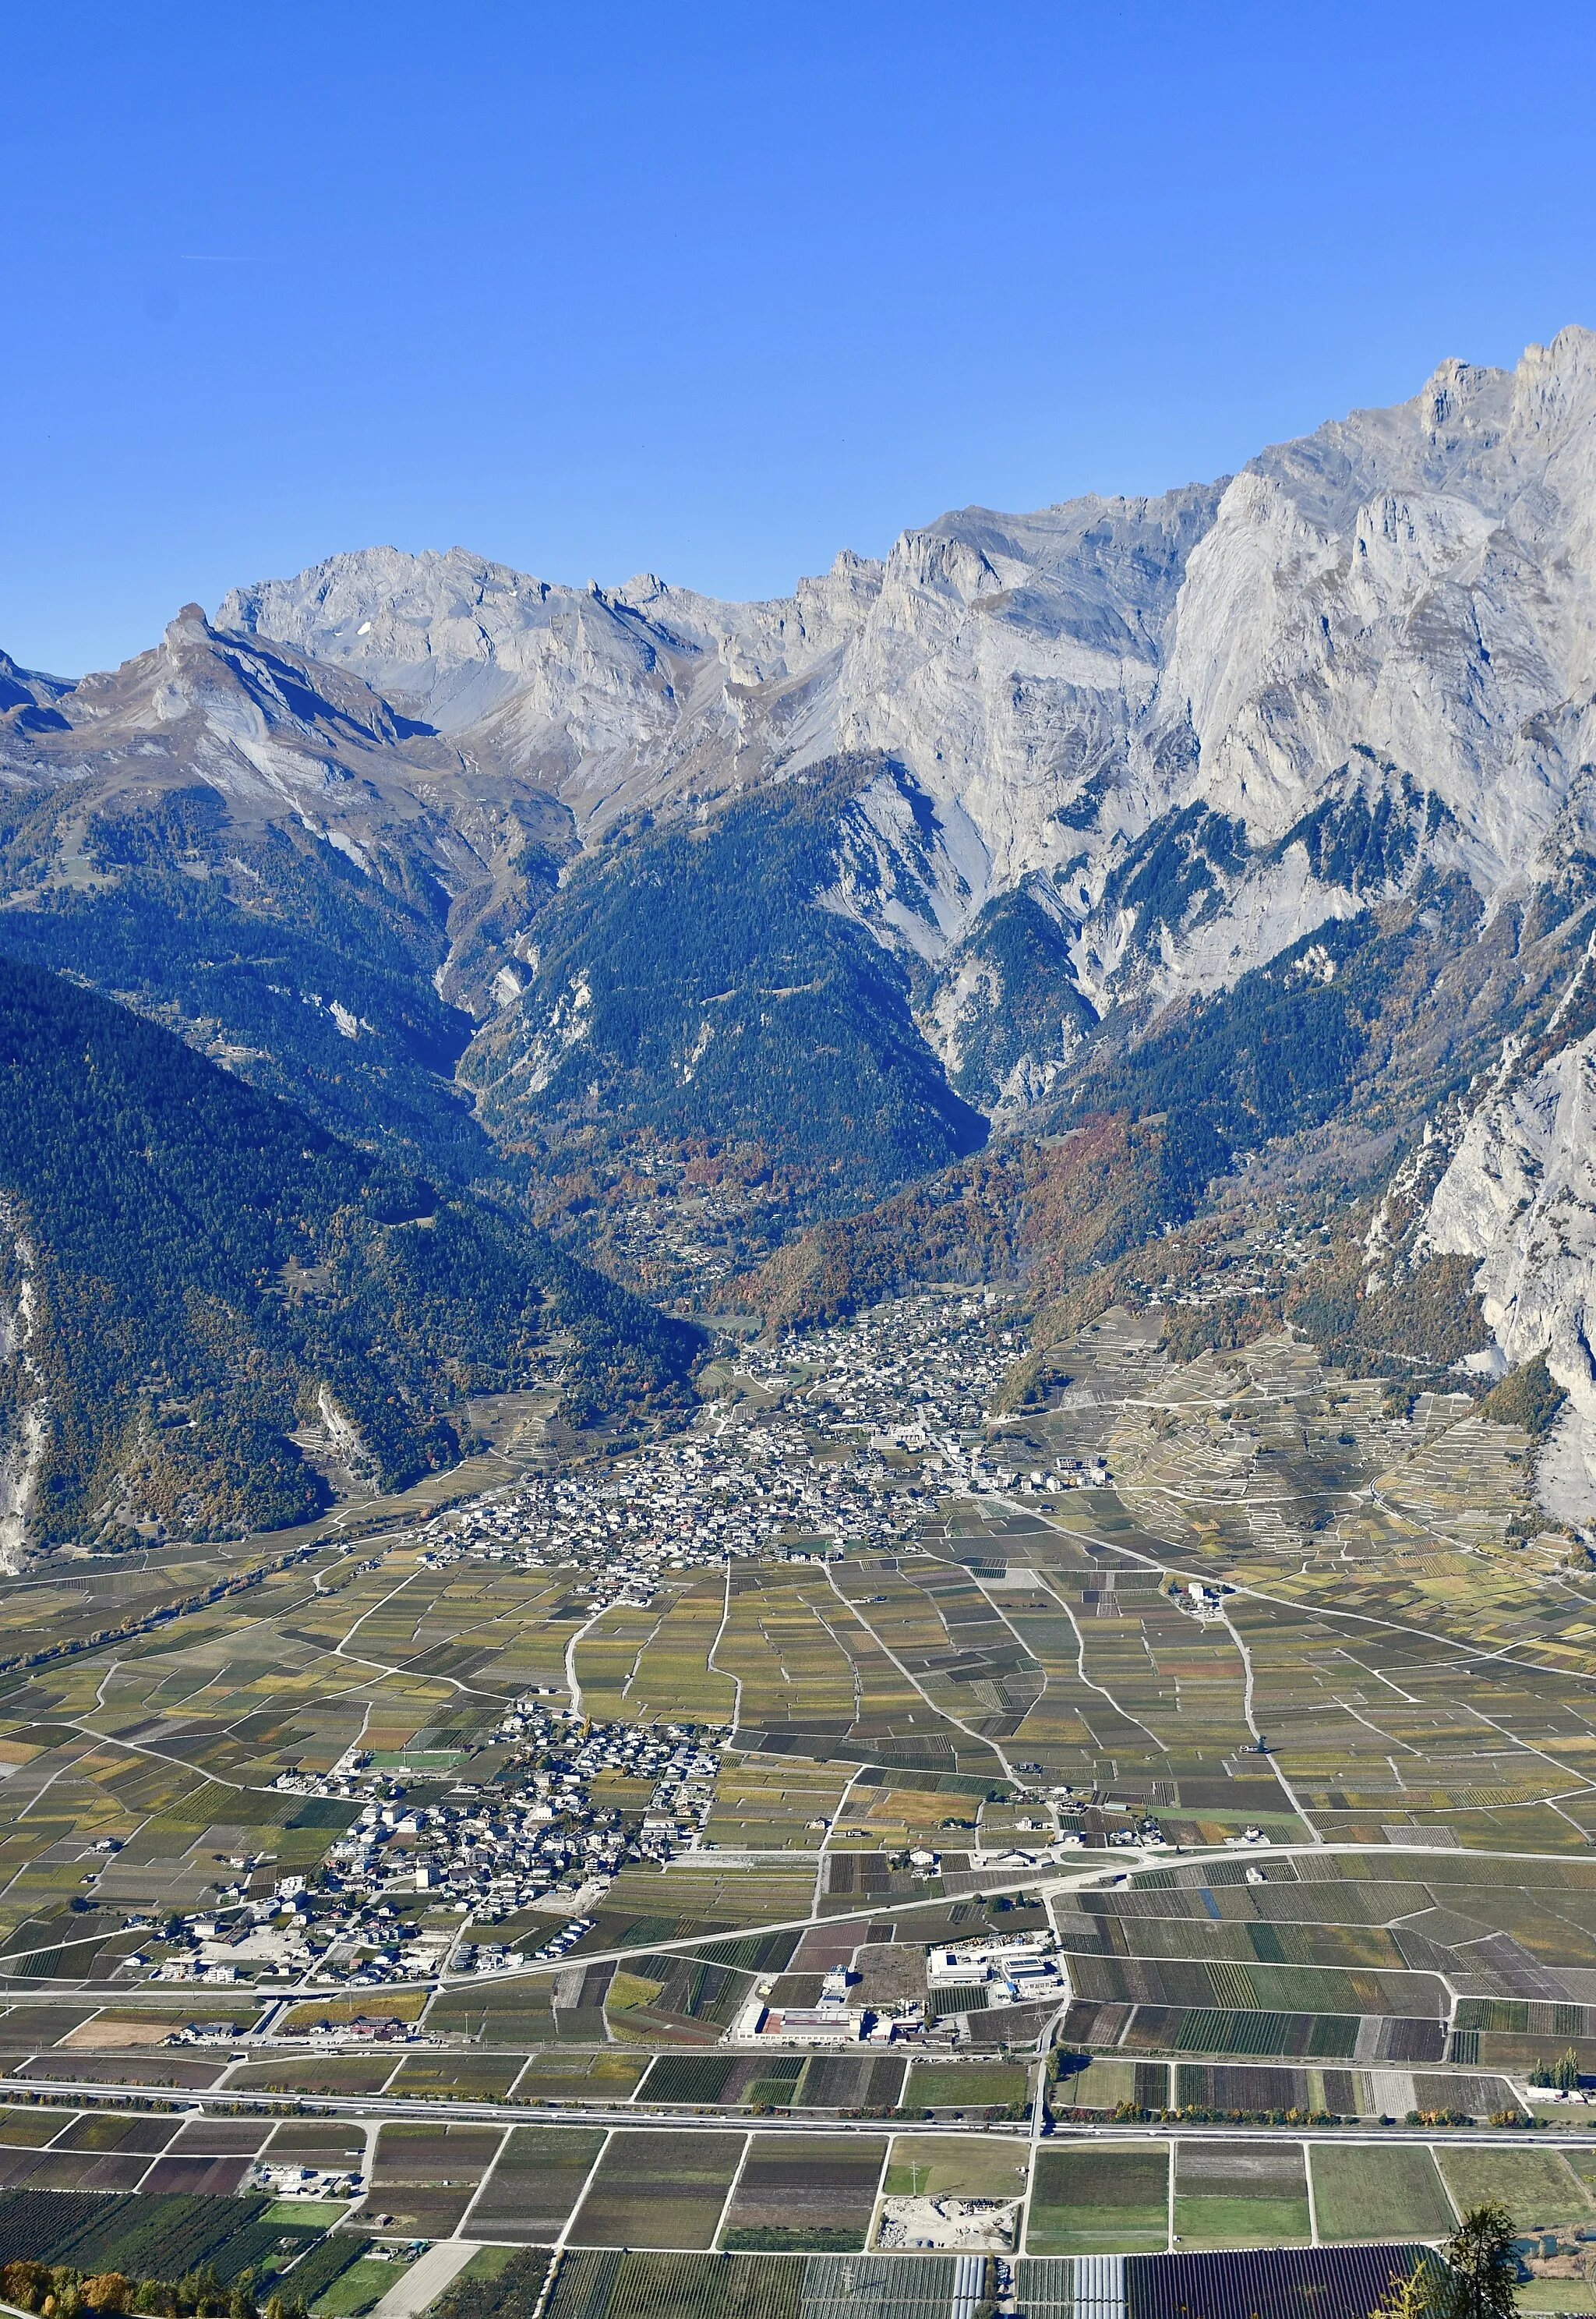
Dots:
pixel 576 1866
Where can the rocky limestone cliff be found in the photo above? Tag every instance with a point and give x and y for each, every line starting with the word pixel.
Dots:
pixel 1519 1194
pixel 1412 590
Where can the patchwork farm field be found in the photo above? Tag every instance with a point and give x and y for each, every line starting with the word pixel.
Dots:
pixel 426 2176
pixel 1363 2193
pixel 956 2165
pixel 1241 2194
pixel 110 2183
pixel 535 2182
pixel 812 2194
pixel 648 2191
pixel 1283 1746
pixel 969 2086
pixel 1540 2185
pixel 1102 2200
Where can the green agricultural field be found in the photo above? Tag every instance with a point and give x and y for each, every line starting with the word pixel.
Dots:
pixel 536 2181
pixel 315 2272
pixel 1107 2199
pixel 597 2285
pixel 516 2013
pixel 959 2165
pixel 1236 2194
pixel 564 2077
pixel 1101 2085
pixel 1536 2187
pixel 1379 2194
pixel 1376 1546
pixel 146 2236
pixel 312 2073
pixel 331 2142
pixel 426 2176
pixel 357 2289
pixel 697 2078
pixel 496 2283
pixel 31 2127
pixel 473 2077
pixel 490 2262
pixel 773 1804
pixel 395 2005
pixel 850 2081
pixel 965 2085
pixel 813 2194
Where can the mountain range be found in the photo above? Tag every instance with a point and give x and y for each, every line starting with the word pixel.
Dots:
pixel 1249 827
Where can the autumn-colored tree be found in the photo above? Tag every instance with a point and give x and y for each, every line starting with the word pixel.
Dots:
pixel 109 2290
pixel 26 2284
pixel 1412 2295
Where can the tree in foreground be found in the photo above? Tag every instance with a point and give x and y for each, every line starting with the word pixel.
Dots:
pixel 1482 2270
pixel 1477 2280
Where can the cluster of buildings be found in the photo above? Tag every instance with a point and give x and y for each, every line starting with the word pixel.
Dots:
pixel 707 1498
pixel 928 1361
pixel 1075 1474
pixel 538 1839
pixel 897 1400
pixel 509 1848
pixel 305 2182
pixel 621 1525
pixel 990 1971
pixel 833 2022
pixel 218 1947
pixel 988 1473
pixel 1205 1604
pixel 1255 1261
pixel 875 1417
pixel 1008 1968
pixel 498 1956
pixel 726 1491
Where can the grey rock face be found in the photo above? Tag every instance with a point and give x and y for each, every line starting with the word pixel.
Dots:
pixel 1519 1194
pixel 1410 590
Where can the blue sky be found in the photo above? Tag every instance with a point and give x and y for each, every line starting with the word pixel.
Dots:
pixel 713 291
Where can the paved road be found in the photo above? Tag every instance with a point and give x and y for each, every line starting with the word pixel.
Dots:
pixel 68 2092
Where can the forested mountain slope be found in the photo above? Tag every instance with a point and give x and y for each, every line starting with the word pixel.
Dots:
pixel 696 973
pixel 191 1270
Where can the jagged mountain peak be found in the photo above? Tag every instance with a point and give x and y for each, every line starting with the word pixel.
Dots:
pixel 1481 431
pixel 28 700
pixel 439 628
pixel 244 691
pixel 1416 580
pixel 921 848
